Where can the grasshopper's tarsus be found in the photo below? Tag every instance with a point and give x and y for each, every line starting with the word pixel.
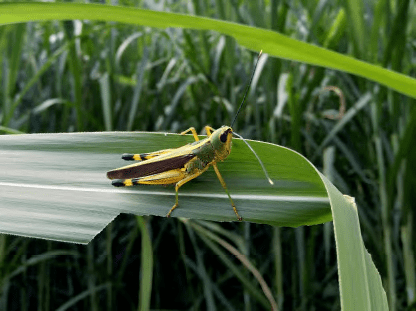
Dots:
pixel 238 216
pixel 171 210
pixel 174 206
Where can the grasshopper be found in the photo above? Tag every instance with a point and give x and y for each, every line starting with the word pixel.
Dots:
pixel 180 165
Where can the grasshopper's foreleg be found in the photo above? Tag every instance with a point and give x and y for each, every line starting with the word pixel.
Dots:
pixel 182 182
pixel 143 156
pixel 226 190
pixel 193 131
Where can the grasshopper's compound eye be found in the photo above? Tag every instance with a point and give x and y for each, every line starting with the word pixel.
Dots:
pixel 224 136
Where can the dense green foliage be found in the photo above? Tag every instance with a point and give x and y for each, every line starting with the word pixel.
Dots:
pixel 99 76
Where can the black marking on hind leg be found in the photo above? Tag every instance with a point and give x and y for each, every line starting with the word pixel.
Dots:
pixel 118 183
pixel 127 156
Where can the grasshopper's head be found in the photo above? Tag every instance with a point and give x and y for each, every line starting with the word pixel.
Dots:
pixel 221 141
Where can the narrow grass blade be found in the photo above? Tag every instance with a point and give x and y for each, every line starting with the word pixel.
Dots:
pixel 105 90
pixel 257 39
pixel 357 27
pixel 360 282
pixel 146 266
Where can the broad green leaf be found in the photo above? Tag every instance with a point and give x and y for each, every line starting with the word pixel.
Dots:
pixel 54 186
pixel 253 38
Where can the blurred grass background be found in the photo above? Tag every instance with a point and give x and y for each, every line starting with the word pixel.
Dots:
pixel 101 76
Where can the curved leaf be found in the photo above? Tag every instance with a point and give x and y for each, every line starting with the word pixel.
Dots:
pixel 360 283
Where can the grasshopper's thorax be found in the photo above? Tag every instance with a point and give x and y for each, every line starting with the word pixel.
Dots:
pixel 221 142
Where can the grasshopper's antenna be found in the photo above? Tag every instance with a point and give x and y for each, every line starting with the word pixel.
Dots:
pixel 247 88
pixel 261 163
pixel 235 118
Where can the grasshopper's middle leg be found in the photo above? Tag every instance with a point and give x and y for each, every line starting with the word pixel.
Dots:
pixel 179 184
pixel 226 190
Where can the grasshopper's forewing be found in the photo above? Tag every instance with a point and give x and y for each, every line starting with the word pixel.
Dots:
pixel 151 167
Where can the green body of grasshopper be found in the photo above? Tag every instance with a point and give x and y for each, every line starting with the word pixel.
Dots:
pixel 178 166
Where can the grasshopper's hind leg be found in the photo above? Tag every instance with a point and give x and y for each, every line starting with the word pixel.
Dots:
pixel 164 178
pixel 123 182
pixel 143 156
pixel 175 176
